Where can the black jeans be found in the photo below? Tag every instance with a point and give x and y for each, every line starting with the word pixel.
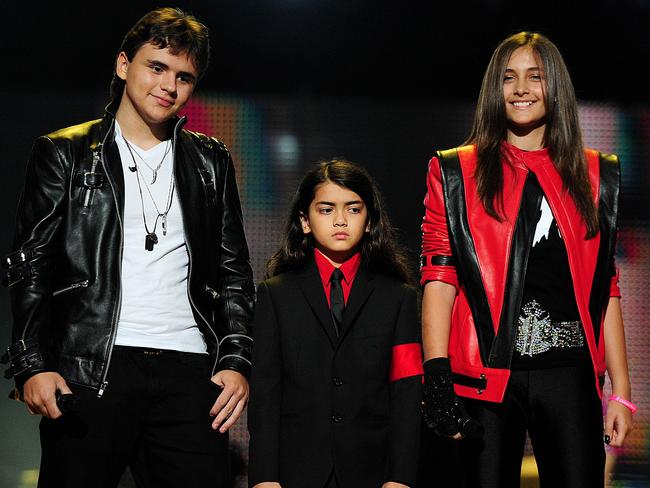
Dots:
pixel 331 481
pixel 561 410
pixel 153 417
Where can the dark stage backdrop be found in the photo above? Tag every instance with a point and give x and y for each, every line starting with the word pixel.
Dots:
pixel 275 139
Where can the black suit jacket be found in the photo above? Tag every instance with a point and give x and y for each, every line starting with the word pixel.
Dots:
pixel 319 401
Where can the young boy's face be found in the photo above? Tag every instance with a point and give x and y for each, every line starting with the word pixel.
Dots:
pixel 337 219
pixel 158 83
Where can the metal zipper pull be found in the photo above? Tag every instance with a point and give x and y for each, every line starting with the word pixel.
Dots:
pixel 73 286
pixel 102 388
pixel 214 293
pixel 88 193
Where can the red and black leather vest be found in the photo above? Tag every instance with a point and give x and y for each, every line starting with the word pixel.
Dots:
pixel 486 259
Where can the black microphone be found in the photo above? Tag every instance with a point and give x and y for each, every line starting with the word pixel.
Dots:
pixel 467 426
pixel 66 402
pixel 133 169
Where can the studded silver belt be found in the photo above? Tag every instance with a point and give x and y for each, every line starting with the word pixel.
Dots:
pixel 537 334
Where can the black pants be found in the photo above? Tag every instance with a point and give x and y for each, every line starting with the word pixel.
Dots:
pixel 561 410
pixel 153 417
pixel 331 481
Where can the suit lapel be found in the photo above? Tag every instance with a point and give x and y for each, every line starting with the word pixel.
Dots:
pixel 312 288
pixel 362 288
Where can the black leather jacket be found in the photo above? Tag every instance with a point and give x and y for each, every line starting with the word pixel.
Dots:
pixel 65 272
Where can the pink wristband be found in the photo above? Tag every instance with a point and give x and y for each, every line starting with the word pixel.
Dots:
pixel 633 408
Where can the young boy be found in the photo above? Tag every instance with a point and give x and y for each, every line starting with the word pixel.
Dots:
pixel 336 382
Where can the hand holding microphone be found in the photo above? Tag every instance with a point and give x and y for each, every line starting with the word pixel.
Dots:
pixel 66 402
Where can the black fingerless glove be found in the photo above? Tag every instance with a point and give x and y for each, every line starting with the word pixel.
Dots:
pixel 443 411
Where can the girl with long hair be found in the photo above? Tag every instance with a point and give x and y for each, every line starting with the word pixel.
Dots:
pixel 337 362
pixel 521 313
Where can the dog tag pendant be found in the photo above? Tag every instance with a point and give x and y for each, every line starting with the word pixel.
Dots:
pixel 150 240
pixel 164 224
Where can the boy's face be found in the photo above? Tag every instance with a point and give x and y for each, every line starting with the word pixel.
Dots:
pixel 337 219
pixel 158 83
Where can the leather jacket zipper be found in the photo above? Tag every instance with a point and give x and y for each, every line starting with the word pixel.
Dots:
pixel 118 308
pixel 189 295
pixel 189 271
pixel 72 286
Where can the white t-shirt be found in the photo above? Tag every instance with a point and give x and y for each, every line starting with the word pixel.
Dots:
pixel 155 309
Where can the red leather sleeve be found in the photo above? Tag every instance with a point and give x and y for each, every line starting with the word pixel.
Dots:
pixel 435 237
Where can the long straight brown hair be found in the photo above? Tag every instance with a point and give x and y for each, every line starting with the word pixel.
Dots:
pixel 562 134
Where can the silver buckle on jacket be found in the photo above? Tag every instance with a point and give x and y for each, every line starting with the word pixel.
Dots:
pixel 537 334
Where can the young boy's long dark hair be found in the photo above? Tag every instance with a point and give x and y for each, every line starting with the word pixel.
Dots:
pixel 378 247
pixel 562 134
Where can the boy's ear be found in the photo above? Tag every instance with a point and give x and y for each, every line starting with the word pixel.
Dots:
pixel 121 65
pixel 304 221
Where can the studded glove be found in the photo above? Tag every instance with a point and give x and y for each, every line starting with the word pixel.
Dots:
pixel 443 411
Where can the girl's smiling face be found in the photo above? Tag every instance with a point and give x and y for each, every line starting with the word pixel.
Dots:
pixel 524 89
pixel 337 219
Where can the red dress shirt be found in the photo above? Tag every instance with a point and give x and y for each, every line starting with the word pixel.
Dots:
pixel 348 268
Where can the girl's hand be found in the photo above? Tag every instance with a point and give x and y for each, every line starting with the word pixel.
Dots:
pixel 618 423
pixel 393 484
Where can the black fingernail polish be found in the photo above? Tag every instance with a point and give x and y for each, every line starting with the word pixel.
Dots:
pixel 606 439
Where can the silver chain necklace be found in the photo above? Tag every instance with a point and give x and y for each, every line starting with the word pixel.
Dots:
pixel 154 171
pixel 151 239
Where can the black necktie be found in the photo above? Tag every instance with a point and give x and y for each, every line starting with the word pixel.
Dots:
pixel 337 303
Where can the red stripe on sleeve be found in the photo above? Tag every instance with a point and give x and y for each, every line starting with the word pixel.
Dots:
pixel 406 361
